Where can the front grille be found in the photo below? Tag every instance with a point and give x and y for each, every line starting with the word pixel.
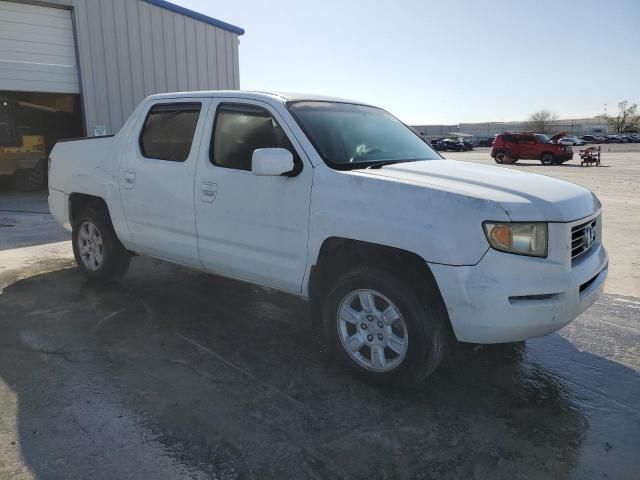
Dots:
pixel 583 237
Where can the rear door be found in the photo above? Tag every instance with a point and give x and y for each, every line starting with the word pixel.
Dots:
pixel 157 174
pixel 511 145
pixel 254 228
pixel 528 147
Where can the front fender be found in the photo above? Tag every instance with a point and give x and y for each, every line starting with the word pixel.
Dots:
pixel 440 226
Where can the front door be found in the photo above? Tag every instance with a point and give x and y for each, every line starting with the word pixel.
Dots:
pixel 157 179
pixel 254 228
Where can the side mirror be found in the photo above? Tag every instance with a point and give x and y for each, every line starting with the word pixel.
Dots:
pixel 271 162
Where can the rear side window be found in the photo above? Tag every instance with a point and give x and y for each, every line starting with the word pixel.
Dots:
pixel 241 129
pixel 168 131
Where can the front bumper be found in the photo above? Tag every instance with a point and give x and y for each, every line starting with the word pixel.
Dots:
pixel 508 298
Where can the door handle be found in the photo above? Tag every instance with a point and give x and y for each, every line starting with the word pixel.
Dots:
pixel 129 179
pixel 208 192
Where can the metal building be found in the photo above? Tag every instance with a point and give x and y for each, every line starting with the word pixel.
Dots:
pixel 487 130
pixel 92 61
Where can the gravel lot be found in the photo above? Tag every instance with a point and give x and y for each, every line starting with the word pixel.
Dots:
pixel 176 374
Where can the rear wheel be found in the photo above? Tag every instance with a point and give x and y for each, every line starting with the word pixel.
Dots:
pixel 547 158
pixel 97 249
pixel 31 179
pixel 499 158
pixel 382 329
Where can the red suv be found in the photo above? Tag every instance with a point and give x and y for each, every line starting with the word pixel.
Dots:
pixel 510 147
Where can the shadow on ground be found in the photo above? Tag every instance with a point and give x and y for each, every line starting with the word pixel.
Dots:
pixel 177 374
pixel 25 221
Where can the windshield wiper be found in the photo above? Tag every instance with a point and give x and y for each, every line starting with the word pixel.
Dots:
pixel 382 163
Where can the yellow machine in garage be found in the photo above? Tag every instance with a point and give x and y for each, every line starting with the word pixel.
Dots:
pixel 23 162
pixel 29 127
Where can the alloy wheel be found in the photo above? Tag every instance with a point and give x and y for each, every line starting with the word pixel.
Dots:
pixel 90 245
pixel 372 330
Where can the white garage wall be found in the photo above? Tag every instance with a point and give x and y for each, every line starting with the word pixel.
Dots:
pixel 129 49
pixel 37 51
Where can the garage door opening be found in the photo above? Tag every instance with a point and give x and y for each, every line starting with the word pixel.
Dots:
pixel 30 125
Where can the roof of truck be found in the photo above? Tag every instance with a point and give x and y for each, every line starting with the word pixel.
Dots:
pixel 256 95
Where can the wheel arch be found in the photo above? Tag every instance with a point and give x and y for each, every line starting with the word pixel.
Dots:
pixel 78 202
pixel 337 254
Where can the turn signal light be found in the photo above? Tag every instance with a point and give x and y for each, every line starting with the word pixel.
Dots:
pixel 521 238
pixel 502 235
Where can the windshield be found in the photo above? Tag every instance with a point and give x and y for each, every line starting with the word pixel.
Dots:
pixel 356 136
pixel 542 138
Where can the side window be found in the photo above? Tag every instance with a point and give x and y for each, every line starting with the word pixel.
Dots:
pixel 241 129
pixel 167 133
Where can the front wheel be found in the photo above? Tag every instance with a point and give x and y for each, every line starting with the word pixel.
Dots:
pixel 547 159
pixel 499 158
pixel 381 328
pixel 96 247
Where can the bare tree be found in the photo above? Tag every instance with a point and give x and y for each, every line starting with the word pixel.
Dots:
pixel 540 121
pixel 627 119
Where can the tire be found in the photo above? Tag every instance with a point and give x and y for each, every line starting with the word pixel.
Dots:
pixel 96 247
pixel 411 337
pixel 547 158
pixel 31 179
pixel 499 158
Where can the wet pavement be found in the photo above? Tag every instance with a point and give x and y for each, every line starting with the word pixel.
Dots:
pixel 173 373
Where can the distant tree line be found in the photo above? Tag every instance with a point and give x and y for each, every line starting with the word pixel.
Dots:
pixel 627 119
pixel 540 121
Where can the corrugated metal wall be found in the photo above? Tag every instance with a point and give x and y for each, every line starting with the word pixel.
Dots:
pixel 129 49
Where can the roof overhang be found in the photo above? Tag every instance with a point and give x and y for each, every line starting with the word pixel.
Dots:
pixel 460 135
pixel 197 16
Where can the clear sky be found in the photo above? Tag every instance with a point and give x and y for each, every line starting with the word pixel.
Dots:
pixel 443 61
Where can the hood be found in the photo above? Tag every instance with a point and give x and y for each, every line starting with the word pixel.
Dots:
pixel 555 138
pixel 524 196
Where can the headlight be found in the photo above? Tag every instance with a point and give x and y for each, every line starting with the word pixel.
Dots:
pixel 519 238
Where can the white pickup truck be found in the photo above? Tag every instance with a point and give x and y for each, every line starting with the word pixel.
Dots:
pixel 338 202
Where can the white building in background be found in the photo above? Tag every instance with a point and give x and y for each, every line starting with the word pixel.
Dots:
pixel 579 126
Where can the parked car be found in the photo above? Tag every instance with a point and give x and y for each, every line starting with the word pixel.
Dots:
pixel 487 142
pixel 509 147
pixel 573 141
pixel 591 139
pixel 340 204
pixel 435 143
pixel 614 139
pixel 453 145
